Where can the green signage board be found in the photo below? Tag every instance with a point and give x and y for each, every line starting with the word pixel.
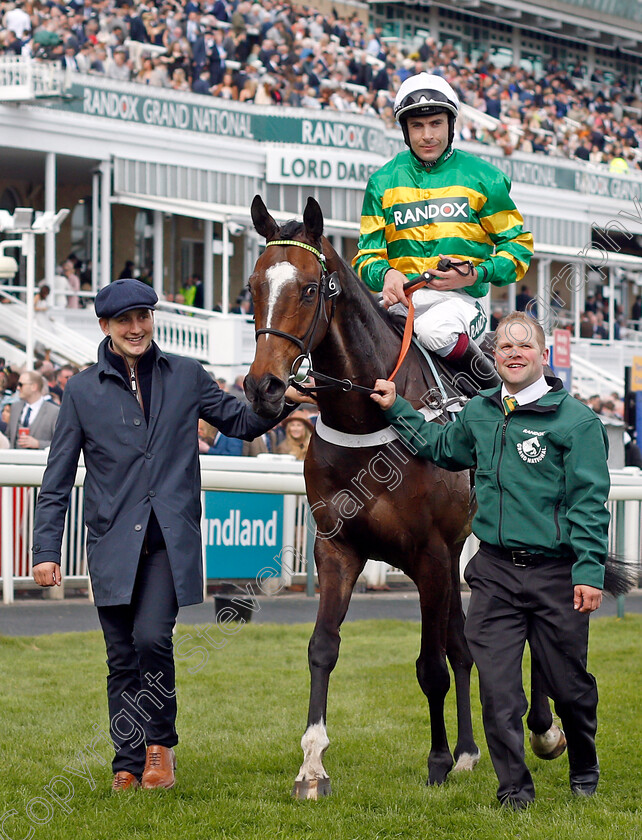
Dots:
pixel 544 174
pixel 210 116
pixel 356 135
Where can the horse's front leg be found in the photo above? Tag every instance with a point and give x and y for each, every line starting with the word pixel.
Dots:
pixel 467 752
pixel 338 568
pixel 547 739
pixel 433 583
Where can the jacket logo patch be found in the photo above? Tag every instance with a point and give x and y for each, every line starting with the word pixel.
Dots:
pixel 531 450
pixel 430 212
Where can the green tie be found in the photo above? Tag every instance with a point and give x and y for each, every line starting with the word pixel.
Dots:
pixel 509 404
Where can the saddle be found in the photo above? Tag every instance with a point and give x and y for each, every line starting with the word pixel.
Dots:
pixel 440 386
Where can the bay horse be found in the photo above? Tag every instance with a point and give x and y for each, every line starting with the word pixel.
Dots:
pixel 370 497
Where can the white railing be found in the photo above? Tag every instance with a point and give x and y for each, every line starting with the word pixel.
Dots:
pixel 589 378
pixel 21 474
pixel 65 344
pixel 612 356
pixel 210 337
pixel 23 79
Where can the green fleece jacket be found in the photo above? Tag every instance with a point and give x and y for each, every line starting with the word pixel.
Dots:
pixel 541 475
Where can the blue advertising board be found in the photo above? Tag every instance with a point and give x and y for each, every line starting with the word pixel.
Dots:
pixel 566 375
pixel 243 533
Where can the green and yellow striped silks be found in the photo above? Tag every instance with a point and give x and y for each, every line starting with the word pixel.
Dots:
pixel 461 208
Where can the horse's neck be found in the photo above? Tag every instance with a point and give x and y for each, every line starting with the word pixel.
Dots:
pixel 359 346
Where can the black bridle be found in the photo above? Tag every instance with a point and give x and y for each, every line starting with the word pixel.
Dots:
pixel 329 290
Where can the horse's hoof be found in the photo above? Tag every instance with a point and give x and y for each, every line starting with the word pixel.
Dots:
pixel 312 789
pixel 437 774
pixel 551 744
pixel 467 761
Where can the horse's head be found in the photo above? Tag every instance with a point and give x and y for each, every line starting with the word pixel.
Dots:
pixel 292 293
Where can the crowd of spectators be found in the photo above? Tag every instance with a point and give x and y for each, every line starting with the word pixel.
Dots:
pixel 291 437
pixel 274 53
pixel 611 408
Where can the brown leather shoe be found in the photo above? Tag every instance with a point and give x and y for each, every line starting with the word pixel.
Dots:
pixel 159 767
pixel 123 780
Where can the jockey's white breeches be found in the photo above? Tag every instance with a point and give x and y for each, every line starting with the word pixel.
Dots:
pixel 441 317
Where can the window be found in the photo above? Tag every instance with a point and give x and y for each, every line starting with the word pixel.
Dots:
pixel 81 229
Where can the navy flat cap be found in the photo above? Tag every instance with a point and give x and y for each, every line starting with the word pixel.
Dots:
pixel 123 295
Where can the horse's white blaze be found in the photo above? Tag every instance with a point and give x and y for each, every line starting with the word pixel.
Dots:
pixel 467 761
pixel 278 276
pixel 314 743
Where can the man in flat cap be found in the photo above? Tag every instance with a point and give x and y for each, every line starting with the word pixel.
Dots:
pixel 134 416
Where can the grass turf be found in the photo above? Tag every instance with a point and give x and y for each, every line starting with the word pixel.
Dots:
pixel 241 716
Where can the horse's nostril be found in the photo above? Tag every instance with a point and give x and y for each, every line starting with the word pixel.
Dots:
pixel 273 388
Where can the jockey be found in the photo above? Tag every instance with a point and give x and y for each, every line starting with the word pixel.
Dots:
pixel 433 203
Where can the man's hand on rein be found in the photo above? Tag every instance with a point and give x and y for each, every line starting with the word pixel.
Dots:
pixel 446 281
pixel 385 393
pixel 393 291
pixel 294 396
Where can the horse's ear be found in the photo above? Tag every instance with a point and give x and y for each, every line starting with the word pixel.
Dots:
pixel 263 222
pixel 313 220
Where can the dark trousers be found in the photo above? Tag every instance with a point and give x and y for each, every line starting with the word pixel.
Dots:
pixel 140 686
pixel 509 606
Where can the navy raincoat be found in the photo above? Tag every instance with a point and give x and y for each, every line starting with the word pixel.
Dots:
pixel 134 467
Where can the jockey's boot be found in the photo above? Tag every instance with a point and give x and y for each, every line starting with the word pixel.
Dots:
pixel 474 371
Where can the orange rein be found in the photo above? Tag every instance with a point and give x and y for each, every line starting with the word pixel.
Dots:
pixel 409 288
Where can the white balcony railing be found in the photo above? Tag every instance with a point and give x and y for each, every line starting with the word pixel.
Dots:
pixel 24 79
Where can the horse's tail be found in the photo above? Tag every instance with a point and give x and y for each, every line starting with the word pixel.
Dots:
pixel 619 576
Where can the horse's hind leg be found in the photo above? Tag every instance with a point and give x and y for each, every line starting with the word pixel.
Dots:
pixel 466 751
pixel 547 739
pixel 432 672
pixel 338 568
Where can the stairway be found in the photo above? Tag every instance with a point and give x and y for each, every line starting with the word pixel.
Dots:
pixel 66 345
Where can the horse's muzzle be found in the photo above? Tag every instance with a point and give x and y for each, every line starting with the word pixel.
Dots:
pixel 266 395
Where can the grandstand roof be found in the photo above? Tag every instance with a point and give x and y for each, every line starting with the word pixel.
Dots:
pixel 586 21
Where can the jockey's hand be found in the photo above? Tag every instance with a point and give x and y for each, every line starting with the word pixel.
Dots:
pixel 445 281
pixel 586 599
pixel 47 574
pixel 385 393
pixel 293 396
pixel 393 288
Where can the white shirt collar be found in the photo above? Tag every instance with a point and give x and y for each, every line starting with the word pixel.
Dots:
pixel 530 393
pixel 35 408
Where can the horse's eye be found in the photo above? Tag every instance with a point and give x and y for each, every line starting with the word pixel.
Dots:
pixel 310 291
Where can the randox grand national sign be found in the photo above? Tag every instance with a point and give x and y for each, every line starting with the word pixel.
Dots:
pixel 206 115
pixel 364 142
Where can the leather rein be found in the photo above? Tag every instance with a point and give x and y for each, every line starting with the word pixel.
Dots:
pixel 330 289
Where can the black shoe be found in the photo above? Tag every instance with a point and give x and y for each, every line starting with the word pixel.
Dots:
pixel 583 790
pixel 584 782
pixel 513 803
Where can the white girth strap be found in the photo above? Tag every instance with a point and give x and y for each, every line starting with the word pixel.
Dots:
pixel 379 438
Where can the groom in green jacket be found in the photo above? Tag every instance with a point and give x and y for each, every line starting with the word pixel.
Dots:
pixel 542 483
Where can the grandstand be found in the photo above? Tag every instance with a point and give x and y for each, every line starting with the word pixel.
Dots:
pixel 602 36
pixel 159 166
